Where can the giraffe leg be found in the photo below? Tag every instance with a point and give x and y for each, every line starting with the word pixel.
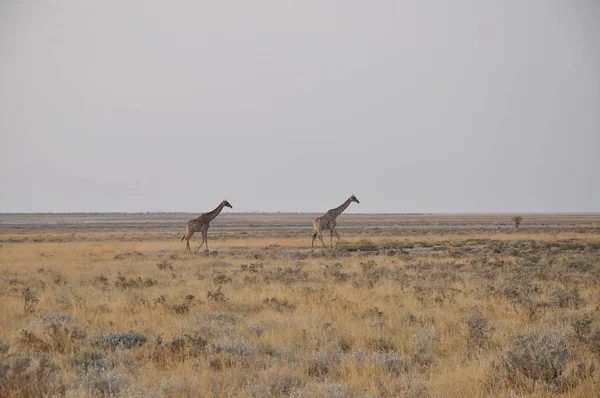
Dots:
pixel 321 238
pixel 204 240
pixel 312 244
pixel 331 238
pixel 198 248
pixel 334 232
pixel 187 238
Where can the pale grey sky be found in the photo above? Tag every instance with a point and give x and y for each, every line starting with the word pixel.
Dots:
pixel 414 106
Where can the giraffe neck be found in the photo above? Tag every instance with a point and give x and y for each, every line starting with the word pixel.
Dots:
pixel 338 210
pixel 213 214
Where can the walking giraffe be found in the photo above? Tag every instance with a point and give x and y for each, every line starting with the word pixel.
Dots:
pixel 327 222
pixel 201 224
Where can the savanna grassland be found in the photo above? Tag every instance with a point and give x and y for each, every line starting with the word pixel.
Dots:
pixel 411 306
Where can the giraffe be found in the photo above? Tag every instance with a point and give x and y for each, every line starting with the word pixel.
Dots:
pixel 201 224
pixel 327 222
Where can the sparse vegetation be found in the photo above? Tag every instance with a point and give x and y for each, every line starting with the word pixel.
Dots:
pixel 390 313
pixel 129 339
pixel 517 221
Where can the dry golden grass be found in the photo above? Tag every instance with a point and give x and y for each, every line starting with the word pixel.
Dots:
pixel 128 313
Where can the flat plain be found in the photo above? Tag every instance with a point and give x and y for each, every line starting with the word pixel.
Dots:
pixel 408 305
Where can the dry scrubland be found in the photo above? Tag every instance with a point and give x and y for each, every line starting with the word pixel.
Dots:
pixel 404 313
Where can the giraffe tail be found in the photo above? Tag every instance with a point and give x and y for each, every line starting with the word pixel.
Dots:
pixel 183 238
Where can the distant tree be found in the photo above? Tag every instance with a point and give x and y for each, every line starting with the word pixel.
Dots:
pixel 517 220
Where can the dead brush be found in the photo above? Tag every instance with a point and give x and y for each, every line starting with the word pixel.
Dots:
pixel 106 385
pixel 30 375
pixel 422 293
pixel 566 298
pixel 64 302
pixel 217 296
pixel 159 301
pixel 56 337
pixel 581 263
pixel 28 340
pixel 64 338
pixel 321 363
pixel 122 340
pixel 91 361
pixel 219 277
pixel 179 349
pixel 220 361
pixel 199 274
pixel 479 327
pixel 100 309
pixel 381 344
pixel 345 342
pixel 235 348
pixel 4 347
pixel 371 274
pixel 254 268
pixel 390 361
pixel 582 326
pixel 287 275
pixel 123 283
pixel 219 316
pixel 59 279
pixel 217 262
pixel 250 279
pixel 519 289
pixel 122 256
pixel 190 300
pixel 424 338
pixel 100 281
pixel 583 371
pixel 279 305
pixel 164 265
pixel 135 303
pixel 533 360
pixel 180 308
pixel 30 301
pixel 284 383
pixel 374 316
pixel 335 271
pixel 594 342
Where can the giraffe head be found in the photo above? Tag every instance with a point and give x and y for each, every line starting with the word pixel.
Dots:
pixel 354 199
pixel 227 204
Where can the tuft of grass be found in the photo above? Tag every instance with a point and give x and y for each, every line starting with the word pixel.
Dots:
pixel 30 374
pixel 534 357
pixel 127 339
pixel 30 301
pixel 479 327
pixel 217 295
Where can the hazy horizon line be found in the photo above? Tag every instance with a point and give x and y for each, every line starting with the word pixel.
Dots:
pixel 301 212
